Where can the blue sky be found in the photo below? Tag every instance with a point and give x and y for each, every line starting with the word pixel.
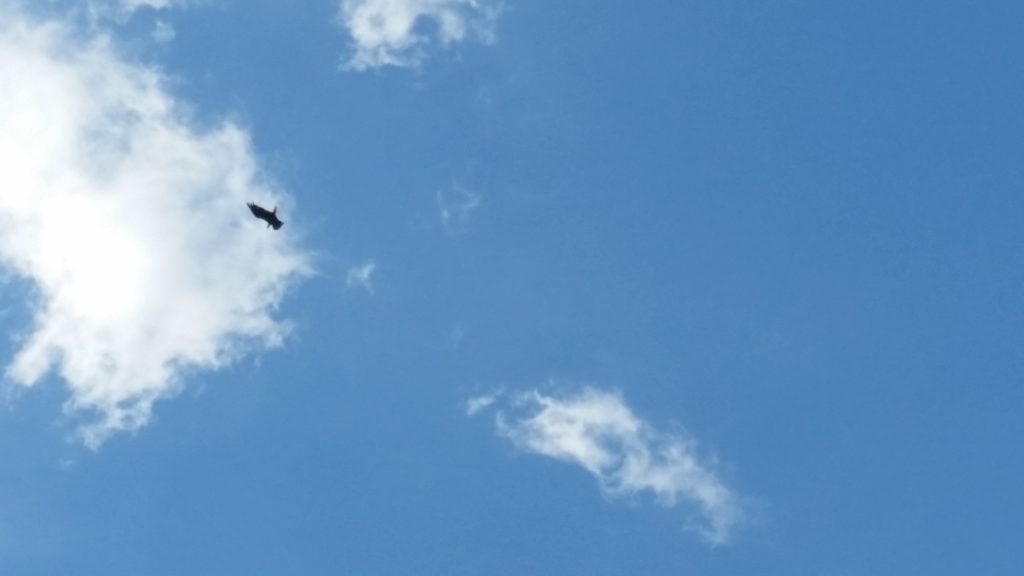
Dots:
pixel 573 287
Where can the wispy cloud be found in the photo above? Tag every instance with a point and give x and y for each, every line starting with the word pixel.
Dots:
pixel 402 32
pixel 123 9
pixel 132 5
pixel 163 32
pixel 596 430
pixel 361 276
pixel 478 404
pixel 456 206
pixel 130 221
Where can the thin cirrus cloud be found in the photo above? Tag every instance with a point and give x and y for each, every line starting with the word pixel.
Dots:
pixel 456 207
pixel 130 5
pixel 596 430
pixel 478 404
pixel 130 223
pixel 163 32
pixel 403 32
pixel 123 9
pixel 361 276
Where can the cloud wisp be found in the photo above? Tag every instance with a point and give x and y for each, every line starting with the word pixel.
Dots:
pixel 402 32
pixel 163 33
pixel 122 10
pixel 128 6
pixel 478 404
pixel 596 430
pixel 361 276
pixel 130 222
pixel 456 207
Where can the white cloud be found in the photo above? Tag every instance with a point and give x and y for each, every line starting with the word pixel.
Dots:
pixel 163 32
pixel 123 9
pixel 478 404
pixel 361 276
pixel 136 4
pixel 595 429
pixel 456 207
pixel 128 6
pixel 131 223
pixel 400 32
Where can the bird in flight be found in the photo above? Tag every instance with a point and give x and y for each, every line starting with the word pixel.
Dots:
pixel 268 216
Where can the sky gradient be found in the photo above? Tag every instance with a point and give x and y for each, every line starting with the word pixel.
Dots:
pixel 563 287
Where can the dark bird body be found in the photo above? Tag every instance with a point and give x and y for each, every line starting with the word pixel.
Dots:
pixel 268 216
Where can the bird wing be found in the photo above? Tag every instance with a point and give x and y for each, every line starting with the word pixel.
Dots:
pixel 266 215
pixel 259 211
